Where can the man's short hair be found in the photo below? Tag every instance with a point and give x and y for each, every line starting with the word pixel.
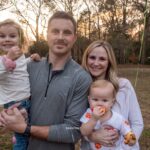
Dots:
pixel 63 15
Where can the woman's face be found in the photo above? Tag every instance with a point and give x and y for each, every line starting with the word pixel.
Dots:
pixel 97 62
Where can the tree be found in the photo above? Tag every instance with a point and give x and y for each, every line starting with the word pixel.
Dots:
pixel 32 14
pixel 4 4
pixel 144 8
pixel 40 47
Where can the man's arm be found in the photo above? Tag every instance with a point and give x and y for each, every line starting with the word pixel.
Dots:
pixel 16 122
pixel 69 131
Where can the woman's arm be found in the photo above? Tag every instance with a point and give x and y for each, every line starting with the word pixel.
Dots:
pixel 104 136
pixel 135 115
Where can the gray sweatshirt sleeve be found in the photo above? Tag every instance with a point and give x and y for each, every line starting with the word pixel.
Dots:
pixel 69 132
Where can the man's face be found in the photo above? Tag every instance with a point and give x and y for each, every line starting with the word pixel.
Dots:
pixel 61 36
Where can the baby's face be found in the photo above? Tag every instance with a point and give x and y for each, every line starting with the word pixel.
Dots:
pixel 101 97
pixel 9 37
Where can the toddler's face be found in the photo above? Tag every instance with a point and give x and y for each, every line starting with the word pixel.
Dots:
pixel 9 37
pixel 101 97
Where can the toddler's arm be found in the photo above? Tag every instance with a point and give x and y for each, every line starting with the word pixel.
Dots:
pixel 9 64
pixel 87 128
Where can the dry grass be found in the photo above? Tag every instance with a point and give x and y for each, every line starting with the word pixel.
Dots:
pixel 143 93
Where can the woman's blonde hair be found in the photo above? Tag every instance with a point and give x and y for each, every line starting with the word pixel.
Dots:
pixel 111 74
pixel 18 27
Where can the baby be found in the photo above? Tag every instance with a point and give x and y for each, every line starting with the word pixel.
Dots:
pixel 101 99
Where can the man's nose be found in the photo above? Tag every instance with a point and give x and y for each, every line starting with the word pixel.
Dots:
pixel 60 36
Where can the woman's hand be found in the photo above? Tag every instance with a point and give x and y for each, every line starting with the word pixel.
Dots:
pixel 106 136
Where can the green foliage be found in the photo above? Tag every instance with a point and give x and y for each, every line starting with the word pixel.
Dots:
pixel 40 47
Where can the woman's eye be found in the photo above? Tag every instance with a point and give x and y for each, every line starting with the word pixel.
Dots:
pixel 102 58
pixel 92 57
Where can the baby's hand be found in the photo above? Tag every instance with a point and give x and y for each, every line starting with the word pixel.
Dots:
pixel 14 53
pixel 98 111
pixel 130 139
pixel 102 110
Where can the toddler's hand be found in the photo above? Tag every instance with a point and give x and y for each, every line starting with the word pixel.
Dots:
pixel 130 139
pixel 98 111
pixel 14 53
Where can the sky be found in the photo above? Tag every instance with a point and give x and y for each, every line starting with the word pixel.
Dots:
pixel 5 14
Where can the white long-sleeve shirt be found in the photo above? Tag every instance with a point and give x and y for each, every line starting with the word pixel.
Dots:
pixel 116 121
pixel 14 86
pixel 128 106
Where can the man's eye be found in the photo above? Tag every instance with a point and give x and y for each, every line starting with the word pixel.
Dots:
pixel 67 32
pixel 55 31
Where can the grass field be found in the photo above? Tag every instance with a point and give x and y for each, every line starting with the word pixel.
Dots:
pixel 143 93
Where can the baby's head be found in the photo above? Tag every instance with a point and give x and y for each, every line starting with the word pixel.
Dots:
pixel 102 93
pixel 11 34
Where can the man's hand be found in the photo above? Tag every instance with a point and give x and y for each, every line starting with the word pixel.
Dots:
pixel 14 53
pixel 13 120
pixel 3 129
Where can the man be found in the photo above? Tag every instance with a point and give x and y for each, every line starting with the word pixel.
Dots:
pixel 58 92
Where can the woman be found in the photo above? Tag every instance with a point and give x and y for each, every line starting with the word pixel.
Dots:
pixel 99 60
